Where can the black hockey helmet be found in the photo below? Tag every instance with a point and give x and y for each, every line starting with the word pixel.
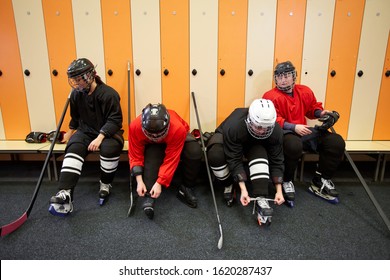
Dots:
pixel 285 69
pixel 81 73
pixel 155 121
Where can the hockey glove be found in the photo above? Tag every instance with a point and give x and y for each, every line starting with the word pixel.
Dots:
pixel 36 137
pixel 52 134
pixel 328 120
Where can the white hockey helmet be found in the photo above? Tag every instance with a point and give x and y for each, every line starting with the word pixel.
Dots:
pixel 261 118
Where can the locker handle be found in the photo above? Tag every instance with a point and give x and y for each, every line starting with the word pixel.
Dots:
pixel 27 72
pixel 138 72
pixel 194 72
pixel 360 73
pixel 387 74
pixel 55 73
pixel 333 73
pixel 109 72
pixel 1 73
pixel 222 72
pixel 166 72
pixel 250 72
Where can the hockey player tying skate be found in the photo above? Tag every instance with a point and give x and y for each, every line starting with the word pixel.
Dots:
pixel 159 140
pixel 96 122
pixel 294 103
pixel 249 133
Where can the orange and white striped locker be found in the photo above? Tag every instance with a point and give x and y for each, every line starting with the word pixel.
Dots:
pixel 118 53
pixel 342 63
pixel 260 48
pixel 35 62
pixel 203 62
pixel 61 49
pixel 372 51
pixel 316 47
pixel 14 117
pixel 145 20
pixel 232 30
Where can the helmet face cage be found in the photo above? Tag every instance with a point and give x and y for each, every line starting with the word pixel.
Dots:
pixel 285 70
pixel 81 74
pixel 83 82
pixel 155 122
pixel 261 118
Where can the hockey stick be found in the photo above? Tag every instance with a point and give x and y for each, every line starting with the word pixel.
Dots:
pixel 366 188
pixel 132 206
pixel 7 229
pixel 220 241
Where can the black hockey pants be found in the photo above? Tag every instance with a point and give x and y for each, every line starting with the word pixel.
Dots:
pixel 77 150
pixel 257 162
pixel 189 166
pixel 329 146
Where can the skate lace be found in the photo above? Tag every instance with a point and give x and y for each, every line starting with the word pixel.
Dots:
pixel 63 194
pixel 261 202
pixel 327 183
pixel 105 187
pixel 288 187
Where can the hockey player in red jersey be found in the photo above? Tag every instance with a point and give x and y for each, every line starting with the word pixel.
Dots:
pixel 159 140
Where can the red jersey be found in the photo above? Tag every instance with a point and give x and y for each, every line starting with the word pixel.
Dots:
pixel 295 108
pixel 174 140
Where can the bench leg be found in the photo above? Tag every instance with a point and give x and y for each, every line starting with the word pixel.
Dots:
pixel 383 168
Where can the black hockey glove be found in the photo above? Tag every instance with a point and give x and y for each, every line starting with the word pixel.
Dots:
pixel 52 134
pixel 36 137
pixel 328 120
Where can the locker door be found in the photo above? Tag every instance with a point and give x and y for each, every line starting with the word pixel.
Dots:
pixel 372 51
pixel 118 51
pixel 232 24
pixel 290 25
pixel 203 59
pixel 260 48
pixel 175 55
pixel 15 124
pixel 62 50
pixel 343 55
pixel 145 19
pixel 381 129
pixel 88 32
pixel 35 61
pixel 316 48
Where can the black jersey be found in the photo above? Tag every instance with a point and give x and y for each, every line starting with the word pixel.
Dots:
pixel 99 112
pixel 237 140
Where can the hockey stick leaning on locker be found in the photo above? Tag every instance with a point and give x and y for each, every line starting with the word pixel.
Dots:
pixel 7 229
pixel 366 188
pixel 132 204
pixel 220 241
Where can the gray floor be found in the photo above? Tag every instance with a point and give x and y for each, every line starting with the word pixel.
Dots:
pixel 313 229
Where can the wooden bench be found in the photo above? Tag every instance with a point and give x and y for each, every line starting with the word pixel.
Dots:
pixel 379 149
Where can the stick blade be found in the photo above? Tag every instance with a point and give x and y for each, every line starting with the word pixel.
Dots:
pixel 220 241
pixel 11 227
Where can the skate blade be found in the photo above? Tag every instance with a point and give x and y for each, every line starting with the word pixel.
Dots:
pixel 55 212
pixel 331 199
pixel 102 201
pixel 289 203
pixel 149 212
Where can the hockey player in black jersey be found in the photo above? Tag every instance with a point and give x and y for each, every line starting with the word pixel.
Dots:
pixel 95 126
pixel 250 134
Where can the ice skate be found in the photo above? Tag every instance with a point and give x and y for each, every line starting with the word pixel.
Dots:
pixel 187 196
pixel 61 204
pixel 228 195
pixel 289 193
pixel 263 210
pixel 325 189
pixel 104 192
pixel 148 206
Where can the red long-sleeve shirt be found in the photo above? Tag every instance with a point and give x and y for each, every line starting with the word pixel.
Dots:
pixel 295 108
pixel 174 140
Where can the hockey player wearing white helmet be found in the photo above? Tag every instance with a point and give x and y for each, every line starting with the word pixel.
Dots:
pixel 250 134
pixel 294 105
